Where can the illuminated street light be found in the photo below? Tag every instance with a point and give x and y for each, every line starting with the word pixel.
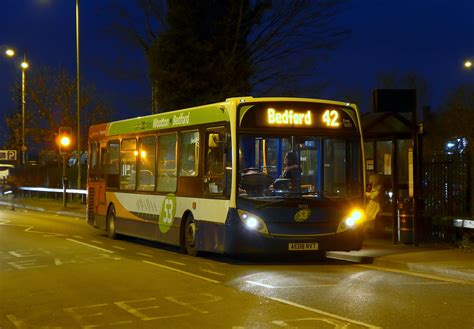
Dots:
pixel 468 64
pixel 10 52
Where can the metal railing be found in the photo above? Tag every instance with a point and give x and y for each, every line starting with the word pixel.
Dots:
pixel 57 193
pixel 446 185
pixel 53 190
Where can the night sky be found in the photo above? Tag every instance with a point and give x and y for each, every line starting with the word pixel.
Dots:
pixel 431 38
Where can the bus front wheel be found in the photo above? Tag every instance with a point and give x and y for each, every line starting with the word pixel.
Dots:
pixel 111 223
pixel 190 236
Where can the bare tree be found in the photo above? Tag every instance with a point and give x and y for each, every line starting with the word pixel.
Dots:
pixel 291 40
pixel 285 41
pixel 51 103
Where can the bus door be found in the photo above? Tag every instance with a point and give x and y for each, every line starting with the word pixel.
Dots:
pixel 96 182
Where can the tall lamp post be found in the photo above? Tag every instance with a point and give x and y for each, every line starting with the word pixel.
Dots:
pixel 78 78
pixel 24 66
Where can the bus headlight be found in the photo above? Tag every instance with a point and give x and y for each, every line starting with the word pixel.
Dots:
pixel 355 217
pixel 252 222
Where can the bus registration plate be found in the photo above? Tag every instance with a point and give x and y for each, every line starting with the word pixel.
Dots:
pixel 296 246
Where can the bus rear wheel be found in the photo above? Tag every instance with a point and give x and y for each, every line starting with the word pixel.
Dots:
pixel 190 236
pixel 111 223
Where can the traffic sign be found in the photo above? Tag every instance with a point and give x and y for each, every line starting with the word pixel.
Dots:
pixel 9 155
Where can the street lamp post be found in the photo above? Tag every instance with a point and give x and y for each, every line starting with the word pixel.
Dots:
pixel 78 78
pixel 24 66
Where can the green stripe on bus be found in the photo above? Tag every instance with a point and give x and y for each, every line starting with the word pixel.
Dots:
pixel 181 118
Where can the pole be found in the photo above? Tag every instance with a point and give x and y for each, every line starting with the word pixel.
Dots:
pixel 64 181
pixel 23 146
pixel 78 78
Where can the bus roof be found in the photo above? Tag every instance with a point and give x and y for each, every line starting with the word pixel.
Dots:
pixel 217 112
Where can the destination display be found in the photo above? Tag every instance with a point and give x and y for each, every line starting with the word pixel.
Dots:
pixel 296 115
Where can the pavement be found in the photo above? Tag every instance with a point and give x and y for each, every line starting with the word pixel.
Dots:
pixel 438 260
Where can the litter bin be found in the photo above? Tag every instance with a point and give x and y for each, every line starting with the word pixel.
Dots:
pixel 405 222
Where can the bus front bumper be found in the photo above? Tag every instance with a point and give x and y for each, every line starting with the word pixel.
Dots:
pixel 239 240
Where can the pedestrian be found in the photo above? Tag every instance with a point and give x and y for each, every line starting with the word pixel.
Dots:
pixel 373 196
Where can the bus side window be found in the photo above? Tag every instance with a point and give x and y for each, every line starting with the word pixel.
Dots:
pixel 111 161
pixel 167 179
pixel 94 161
pixel 128 164
pixel 189 153
pixel 146 164
pixel 102 158
pixel 214 167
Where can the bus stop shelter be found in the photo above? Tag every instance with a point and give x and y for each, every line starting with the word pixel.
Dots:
pixel 392 143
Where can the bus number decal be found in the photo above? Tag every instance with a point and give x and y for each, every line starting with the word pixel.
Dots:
pixel 331 118
pixel 168 211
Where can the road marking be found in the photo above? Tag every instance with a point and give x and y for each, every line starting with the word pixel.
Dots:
pixel 92 246
pixel 16 322
pixel 47 234
pixel 121 322
pixel 416 274
pixel 260 284
pixel 175 262
pixel 212 272
pixel 183 272
pixel 422 283
pixel 139 311
pixel 315 310
pixel 78 317
pixel 98 242
pixel 117 247
pixel 332 323
pixel 290 287
pixel 142 254
pixel 29 229
pixel 77 236
pixel 191 301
